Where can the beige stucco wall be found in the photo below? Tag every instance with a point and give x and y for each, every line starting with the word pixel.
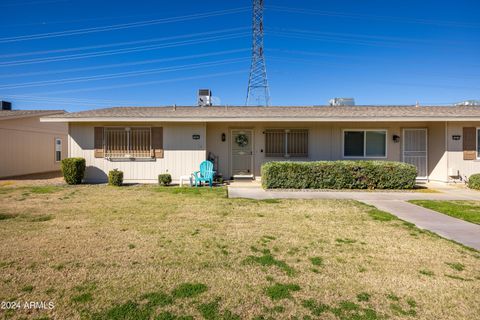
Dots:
pixel 325 142
pixel 182 154
pixel 28 146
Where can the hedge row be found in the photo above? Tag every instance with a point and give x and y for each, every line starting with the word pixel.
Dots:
pixel 474 181
pixel 338 175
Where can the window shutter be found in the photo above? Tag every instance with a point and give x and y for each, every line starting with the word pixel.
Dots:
pixel 98 138
pixel 157 142
pixel 469 143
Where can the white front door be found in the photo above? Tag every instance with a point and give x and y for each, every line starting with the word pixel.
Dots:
pixel 415 150
pixel 242 153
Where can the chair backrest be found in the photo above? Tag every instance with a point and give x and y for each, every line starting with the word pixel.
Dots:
pixel 206 169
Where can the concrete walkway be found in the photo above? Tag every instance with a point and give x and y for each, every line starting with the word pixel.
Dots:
pixel 393 202
pixel 458 230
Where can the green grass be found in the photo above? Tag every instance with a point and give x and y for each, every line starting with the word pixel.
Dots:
pixel 149 252
pixel 6 216
pixel 316 261
pixel 28 288
pixel 465 210
pixel 189 290
pixel 363 296
pixel 44 189
pixel 82 298
pixel 427 273
pixel 456 266
pixel 267 259
pixel 280 291
pixel 211 311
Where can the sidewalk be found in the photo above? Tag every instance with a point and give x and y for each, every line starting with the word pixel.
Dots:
pixel 448 227
pixel 393 202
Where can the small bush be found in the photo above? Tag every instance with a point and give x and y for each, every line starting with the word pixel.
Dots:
pixel 474 181
pixel 164 179
pixel 338 175
pixel 73 170
pixel 115 178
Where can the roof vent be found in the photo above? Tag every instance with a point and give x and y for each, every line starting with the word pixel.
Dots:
pixel 468 103
pixel 6 105
pixel 336 102
pixel 205 98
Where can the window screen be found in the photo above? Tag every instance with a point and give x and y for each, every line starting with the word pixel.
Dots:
pixel 375 144
pixel 354 143
pixel 365 144
pixel 58 150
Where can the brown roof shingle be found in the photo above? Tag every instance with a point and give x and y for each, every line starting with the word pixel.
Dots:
pixel 14 114
pixel 257 113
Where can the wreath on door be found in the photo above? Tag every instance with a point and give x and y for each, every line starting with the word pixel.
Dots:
pixel 242 140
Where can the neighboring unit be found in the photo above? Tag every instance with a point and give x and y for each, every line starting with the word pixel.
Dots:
pixel 442 142
pixel 28 145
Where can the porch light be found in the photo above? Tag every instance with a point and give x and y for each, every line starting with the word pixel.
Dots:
pixel 224 137
pixel 396 138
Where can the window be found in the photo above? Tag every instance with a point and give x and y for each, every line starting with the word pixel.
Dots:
pixel 58 150
pixel 128 143
pixel 365 143
pixel 286 143
pixel 478 143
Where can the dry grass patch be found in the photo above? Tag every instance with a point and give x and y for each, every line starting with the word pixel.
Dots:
pixel 145 252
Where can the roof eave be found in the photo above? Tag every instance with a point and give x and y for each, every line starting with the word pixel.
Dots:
pixel 259 119
pixel 32 115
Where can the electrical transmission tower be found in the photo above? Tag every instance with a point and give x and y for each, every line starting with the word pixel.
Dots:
pixel 258 93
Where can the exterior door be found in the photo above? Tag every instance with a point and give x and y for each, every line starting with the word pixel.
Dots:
pixel 415 150
pixel 242 153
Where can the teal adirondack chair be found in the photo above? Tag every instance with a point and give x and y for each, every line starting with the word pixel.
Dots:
pixel 205 174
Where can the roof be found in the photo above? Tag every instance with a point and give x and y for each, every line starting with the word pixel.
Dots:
pixel 257 114
pixel 16 114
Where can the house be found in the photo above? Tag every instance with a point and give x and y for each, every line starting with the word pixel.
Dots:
pixel 442 142
pixel 28 145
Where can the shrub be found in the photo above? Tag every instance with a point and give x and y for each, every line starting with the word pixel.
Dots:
pixel 338 175
pixel 474 181
pixel 115 177
pixel 164 179
pixel 73 170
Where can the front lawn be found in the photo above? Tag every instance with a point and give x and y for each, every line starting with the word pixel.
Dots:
pixel 465 210
pixel 146 252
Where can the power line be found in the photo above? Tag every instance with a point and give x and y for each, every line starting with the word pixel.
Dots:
pixel 123 74
pixel 349 65
pixel 123 25
pixel 69 99
pixel 117 44
pixel 372 17
pixel 136 84
pixel 121 51
pixel 363 37
pixel 125 64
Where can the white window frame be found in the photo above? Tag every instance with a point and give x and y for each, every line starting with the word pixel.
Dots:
pixel 55 150
pixel 364 143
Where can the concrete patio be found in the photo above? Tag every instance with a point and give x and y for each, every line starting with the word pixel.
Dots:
pixel 394 202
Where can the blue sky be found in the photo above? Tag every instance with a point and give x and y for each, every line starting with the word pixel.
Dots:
pixel 78 55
